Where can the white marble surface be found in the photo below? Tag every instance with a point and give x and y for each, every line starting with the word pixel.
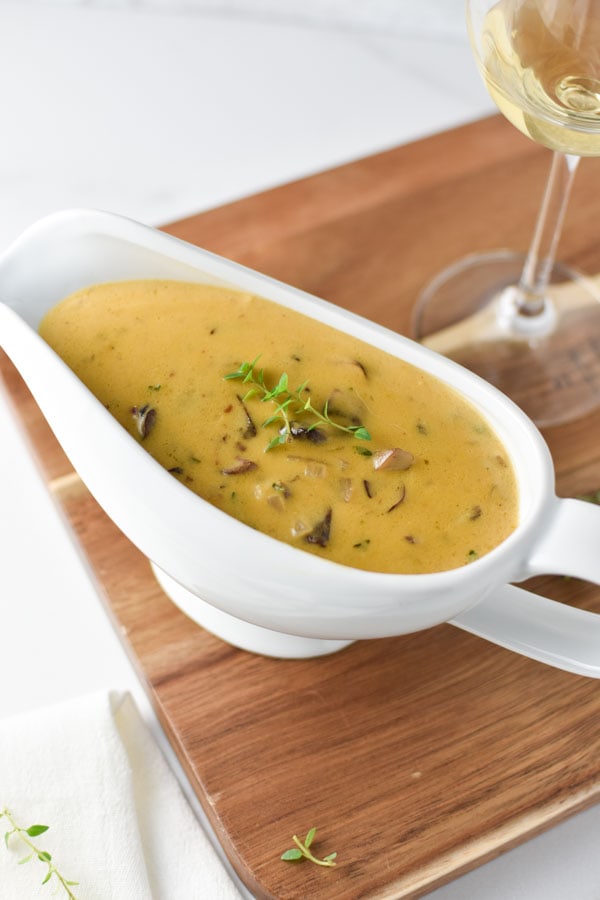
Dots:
pixel 157 110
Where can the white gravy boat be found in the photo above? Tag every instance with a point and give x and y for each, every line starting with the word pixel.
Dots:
pixel 251 590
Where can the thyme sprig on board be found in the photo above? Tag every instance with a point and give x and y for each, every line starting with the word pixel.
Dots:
pixel 24 835
pixel 302 851
pixel 289 404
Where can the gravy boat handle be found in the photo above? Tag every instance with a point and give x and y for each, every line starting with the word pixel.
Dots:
pixel 546 630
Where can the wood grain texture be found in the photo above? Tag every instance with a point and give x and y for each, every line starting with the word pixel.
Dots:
pixel 416 757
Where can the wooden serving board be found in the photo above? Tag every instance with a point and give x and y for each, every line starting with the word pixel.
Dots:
pixel 416 757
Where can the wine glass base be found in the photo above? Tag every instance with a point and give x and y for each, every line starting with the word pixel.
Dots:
pixel 550 368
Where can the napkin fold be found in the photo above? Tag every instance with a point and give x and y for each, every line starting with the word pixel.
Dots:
pixel 119 823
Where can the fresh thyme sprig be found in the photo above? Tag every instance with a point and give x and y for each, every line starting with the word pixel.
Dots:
pixel 288 403
pixel 302 851
pixel 25 835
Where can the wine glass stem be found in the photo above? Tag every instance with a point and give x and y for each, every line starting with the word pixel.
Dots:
pixel 531 297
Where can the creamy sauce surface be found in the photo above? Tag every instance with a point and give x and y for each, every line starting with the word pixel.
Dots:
pixel 433 488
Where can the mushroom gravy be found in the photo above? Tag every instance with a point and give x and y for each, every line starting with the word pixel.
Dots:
pixel 432 489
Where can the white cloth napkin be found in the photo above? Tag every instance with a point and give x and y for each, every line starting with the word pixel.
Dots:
pixel 119 822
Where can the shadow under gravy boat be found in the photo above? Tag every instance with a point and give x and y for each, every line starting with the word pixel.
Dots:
pixel 249 589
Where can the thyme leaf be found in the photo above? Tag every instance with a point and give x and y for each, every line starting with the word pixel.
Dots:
pixel 290 403
pixel 302 851
pixel 24 835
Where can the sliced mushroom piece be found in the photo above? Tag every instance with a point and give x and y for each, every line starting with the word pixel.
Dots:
pixel 145 419
pixel 321 531
pixel 250 429
pixel 348 361
pixel 239 467
pixel 399 499
pixel 395 459
pixel 312 434
pixel 346 404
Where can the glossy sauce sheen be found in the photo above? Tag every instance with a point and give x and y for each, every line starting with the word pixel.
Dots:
pixel 155 353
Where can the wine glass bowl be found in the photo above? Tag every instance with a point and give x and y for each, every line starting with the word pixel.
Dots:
pixel 525 322
pixel 541 65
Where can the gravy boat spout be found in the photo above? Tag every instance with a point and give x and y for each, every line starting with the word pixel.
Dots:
pixel 276 599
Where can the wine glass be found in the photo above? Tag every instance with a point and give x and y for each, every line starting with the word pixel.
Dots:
pixel 524 322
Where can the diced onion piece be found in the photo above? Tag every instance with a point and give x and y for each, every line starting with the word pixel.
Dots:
pixel 300 528
pixel 345 489
pixel 315 469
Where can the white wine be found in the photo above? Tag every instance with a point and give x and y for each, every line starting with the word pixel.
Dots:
pixel 541 63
